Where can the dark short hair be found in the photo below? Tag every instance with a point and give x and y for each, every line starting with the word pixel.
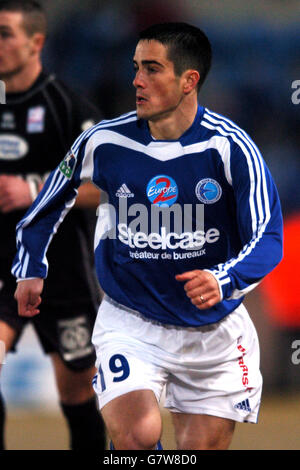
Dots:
pixel 188 46
pixel 33 12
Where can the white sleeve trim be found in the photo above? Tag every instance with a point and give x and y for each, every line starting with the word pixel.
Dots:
pixel 218 281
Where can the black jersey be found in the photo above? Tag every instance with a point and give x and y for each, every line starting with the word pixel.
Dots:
pixel 36 130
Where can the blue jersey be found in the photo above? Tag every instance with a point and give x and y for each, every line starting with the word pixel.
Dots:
pixel 205 201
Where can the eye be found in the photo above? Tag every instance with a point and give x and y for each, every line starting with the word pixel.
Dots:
pixel 4 35
pixel 151 69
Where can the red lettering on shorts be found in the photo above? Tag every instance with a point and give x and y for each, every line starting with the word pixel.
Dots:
pixel 243 367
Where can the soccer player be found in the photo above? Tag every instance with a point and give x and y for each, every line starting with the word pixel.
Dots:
pixel 38 123
pixel 189 223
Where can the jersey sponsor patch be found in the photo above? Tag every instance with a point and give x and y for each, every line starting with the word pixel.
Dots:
pixel 162 191
pixel 208 191
pixel 36 120
pixel 67 166
pixel 12 147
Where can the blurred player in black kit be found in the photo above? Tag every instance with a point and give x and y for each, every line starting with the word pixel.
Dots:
pixel 38 123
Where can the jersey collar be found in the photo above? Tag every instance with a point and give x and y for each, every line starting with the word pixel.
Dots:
pixel 187 136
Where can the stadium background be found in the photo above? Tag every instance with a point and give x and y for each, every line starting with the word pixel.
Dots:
pixel 256 61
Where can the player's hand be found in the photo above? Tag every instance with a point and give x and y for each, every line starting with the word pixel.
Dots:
pixel 28 296
pixel 201 287
pixel 14 193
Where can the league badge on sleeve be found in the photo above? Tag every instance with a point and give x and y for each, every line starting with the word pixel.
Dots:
pixel 67 166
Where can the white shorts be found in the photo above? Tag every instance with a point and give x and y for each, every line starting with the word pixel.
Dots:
pixel 211 370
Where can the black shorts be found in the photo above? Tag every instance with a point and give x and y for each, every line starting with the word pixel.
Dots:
pixel 63 326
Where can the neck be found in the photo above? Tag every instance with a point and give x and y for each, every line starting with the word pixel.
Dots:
pixel 172 125
pixel 22 80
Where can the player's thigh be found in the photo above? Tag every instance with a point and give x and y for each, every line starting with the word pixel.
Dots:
pixel 73 386
pixel 130 377
pixel 220 375
pixel 127 358
pixel 202 432
pixel 133 420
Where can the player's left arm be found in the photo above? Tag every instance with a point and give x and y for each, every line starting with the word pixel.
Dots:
pixel 201 287
pixel 259 220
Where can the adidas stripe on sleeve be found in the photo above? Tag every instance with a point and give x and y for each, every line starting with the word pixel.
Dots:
pixel 37 228
pixel 258 213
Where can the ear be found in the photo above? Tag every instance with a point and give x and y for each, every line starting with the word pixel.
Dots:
pixel 191 79
pixel 38 41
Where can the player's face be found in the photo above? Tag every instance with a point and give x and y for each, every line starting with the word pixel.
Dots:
pixel 16 47
pixel 158 89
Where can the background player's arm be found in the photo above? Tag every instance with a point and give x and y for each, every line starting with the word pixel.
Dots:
pixel 19 192
pixel 85 115
pixel 16 193
pixel 88 196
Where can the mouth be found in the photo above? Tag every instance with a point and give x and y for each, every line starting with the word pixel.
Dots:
pixel 140 99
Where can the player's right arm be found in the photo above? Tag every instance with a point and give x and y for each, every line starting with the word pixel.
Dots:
pixel 28 296
pixel 37 228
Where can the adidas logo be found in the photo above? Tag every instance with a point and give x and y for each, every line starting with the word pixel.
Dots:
pixel 123 191
pixel 243 405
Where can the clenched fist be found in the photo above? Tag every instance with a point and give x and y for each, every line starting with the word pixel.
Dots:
pixel 28 296
pixel 201 287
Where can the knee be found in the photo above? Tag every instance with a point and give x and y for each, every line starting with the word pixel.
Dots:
pixel 197 444
pixel 204 442
pixel 143 435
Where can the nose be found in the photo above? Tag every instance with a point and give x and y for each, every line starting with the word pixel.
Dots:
pixel 138 81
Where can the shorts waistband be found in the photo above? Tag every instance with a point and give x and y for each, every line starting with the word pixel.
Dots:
pixel 202 328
